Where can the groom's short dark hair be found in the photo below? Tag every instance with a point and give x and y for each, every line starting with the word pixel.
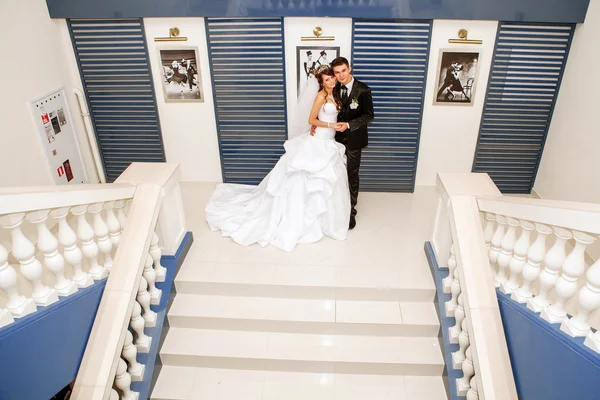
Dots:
pixel 339 61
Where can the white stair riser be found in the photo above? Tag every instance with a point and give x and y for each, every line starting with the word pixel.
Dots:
pixel 327 328
pixel 367 368
pixel 305 292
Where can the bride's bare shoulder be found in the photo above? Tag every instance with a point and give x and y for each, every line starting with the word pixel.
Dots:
pixel 321 97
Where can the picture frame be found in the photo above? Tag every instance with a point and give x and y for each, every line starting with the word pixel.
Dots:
pixel 181 78
pixel 308 58
pixel 456 76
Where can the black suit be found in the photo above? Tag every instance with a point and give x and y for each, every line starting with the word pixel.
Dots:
pixel 358 116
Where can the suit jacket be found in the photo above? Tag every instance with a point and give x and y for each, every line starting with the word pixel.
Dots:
pixel 358 116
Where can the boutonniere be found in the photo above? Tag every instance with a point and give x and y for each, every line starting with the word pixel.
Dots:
pixel 354 104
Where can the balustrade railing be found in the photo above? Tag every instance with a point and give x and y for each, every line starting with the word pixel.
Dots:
pixel 52 252
pixel 125 313
pixel 547 268
pixel 482 354
pixel 56 241
pixel 530 249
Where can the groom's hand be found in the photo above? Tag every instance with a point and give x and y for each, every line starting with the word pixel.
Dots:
pixel 341 126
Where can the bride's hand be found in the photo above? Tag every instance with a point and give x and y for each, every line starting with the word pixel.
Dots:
pixel 339 126
pixel 312 130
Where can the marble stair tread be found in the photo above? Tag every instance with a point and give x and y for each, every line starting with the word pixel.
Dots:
pixel 290 281
pixel 198 383
pixel 325 316
pixel 302 352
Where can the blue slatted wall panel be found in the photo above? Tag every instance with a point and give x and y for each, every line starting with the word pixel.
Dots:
pixel 247 62
pixel 115 72
pixel 527 69
pixel 391 56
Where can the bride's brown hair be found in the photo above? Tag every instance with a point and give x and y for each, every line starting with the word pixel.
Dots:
pixel 326 70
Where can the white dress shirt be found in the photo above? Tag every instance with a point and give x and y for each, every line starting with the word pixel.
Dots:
pixel 349 87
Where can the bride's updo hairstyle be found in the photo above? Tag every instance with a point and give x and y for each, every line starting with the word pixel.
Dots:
pixel 326 70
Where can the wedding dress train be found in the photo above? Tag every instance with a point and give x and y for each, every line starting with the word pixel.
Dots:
pixel 303 198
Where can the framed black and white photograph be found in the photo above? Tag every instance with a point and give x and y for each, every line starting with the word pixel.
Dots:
pixel 456 77
pixel 181 79
pixel 309 58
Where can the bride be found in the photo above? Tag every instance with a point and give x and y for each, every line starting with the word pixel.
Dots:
pixel 305 196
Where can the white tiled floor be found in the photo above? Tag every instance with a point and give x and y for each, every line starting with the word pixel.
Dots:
pixel 332 320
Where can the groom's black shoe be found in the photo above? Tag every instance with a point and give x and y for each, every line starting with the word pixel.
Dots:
pixel 352 222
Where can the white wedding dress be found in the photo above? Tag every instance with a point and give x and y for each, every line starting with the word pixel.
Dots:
pixel 303 198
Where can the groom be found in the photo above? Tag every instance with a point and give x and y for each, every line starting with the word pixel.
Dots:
pixel 357 113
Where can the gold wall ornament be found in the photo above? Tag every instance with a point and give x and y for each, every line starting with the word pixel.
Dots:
pixel 318 32
pixel 462 38
pixel 173 36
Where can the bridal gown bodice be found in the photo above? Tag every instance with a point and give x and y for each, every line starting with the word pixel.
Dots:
pixel 327 113
pixel 302 199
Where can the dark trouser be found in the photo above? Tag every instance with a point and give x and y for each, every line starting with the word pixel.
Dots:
pixel 353 158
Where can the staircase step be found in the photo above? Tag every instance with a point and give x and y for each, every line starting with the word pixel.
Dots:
pixel 320 316
pixel 187 383
pixel 295 352
pixel 306 282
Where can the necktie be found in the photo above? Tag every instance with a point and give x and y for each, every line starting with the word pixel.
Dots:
pixel 344 93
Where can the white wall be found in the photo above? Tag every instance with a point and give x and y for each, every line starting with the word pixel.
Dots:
pixel 34 59
pixel 449 133
pixel 295 28
pixel 189 129
pixel 569 169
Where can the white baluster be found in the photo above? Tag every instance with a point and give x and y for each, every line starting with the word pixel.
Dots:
pixel 506 252
pixel 455 289
pixel 459 314
pixel 589 301
pixel 531 270
pixel 101 234
pixel 447 281
pixel 112 222
pixel 143 297
pixel 120 207
pixel 150 277
pixel 518 260
pixel 463 342
pixel 566 285
pixel 88 245
pixel 24 251
pixel 156 253
pixel 142 342
pixel 6 317
pixel 19 306
pixel 464 384
pixel 113 395
pixel 473 394
pixel 488 231
pixel 496 244
pixel 72 253
pixel 123 382
pixel 53 260
pixel 553 260
pixel 136 370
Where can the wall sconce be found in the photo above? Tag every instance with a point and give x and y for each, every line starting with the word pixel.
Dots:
pixel 318 32
pixel 173 36
pixel 462 34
